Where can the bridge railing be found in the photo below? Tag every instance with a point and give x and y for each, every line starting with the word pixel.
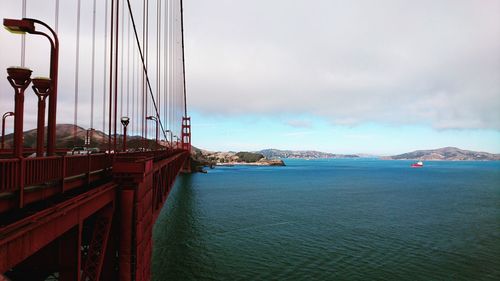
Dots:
pixel 40 170
pixel 56 173
pixel 9 178
pixel 62 172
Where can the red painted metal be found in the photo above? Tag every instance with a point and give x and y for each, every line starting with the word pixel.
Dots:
pixel 41 87
pixel 28 25
pixel 62 172
pixel 5 115
pixel 84 217
pixel 19 79
pixel 141 183
pixel 23 238
pixel 186 133
pixel 97 249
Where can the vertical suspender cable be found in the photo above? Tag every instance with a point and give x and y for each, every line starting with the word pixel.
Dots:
pixel 116 71
pixel 133 89
pixel 176 69
pixel 77 64
pixel 111 73
pixel 146 48
pixel 137 95
pixel 183 60
pixel 128 66
pixel 165 64
pixel 172 83
pixel 93 70
pixel 158 46
pixel 122 52
pixel 143 111
pixel 56 23
pixel 121 64
pixel 23 37
pixel 145 70
pixel 104 68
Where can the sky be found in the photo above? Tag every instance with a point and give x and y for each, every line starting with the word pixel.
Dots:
pixel 377 77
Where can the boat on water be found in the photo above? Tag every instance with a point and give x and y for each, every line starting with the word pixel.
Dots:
pixel 418 164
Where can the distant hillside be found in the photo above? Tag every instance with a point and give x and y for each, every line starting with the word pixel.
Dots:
pixel 311 154
pixel 65 138
pixel 445 153
pixel 210 158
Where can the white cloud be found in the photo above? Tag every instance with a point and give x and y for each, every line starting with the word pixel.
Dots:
pixel 299 123
pixel 390 61
pixel 395 62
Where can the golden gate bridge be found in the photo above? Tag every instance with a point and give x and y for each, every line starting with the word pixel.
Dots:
pixel 84 208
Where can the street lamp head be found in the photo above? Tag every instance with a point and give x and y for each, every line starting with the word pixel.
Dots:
pixel 19 75
pixel 7 114
pixel 19 26
pixel 41 86
pixel 151 118
pixel 125 120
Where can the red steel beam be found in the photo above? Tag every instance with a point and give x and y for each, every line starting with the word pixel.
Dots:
pixel 23 238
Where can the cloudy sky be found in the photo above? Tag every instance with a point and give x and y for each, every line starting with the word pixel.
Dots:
pixel 345 76
pixel 360 76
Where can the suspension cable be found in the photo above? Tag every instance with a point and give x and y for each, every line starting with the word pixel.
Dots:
pixel 23 37
pixel 93 68
pixel 143 92
pixel 111 73
pixel 128 65
pixel 105 66
pixel 56 23
pixel 158 47
pixel 116 71
pixel 165 64
pixel 77 65
pixel 144 67
pixel 122 63
pixel 133 87
pixel 183 60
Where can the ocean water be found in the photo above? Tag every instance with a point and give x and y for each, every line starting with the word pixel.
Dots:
pixel 333 219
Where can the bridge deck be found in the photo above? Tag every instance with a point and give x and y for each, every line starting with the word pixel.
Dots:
pixel 56 206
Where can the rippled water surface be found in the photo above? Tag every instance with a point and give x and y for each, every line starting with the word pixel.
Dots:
pixel 333 220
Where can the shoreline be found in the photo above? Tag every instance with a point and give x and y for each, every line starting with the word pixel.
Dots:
pixel 263 163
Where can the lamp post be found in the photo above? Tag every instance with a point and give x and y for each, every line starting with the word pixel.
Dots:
pixel 19 79
pixel 156 120
pixel 88 138
pixel 125 120
pixel 41 87
pixel 168 131
pixel 5 115
pixel 27 25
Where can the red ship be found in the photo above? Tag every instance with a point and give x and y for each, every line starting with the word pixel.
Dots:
pixel 419 164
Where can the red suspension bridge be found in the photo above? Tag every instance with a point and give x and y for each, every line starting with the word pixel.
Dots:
pixel 83 207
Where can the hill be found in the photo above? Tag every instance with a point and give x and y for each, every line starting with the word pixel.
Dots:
pixel 211 158
pixel 65 138
pixel 308 154
pixel 445 153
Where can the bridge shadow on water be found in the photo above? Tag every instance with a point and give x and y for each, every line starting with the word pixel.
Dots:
pixel 177 248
